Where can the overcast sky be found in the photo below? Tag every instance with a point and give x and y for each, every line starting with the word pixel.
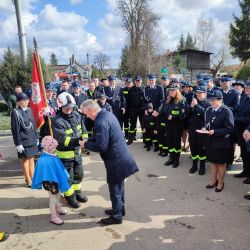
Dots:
pixel 92 26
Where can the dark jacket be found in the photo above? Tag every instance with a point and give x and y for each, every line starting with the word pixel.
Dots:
pixel 93 95
pixel 231 99
pixel 68 130
pixel 80 99
pixel 23 127
pixel 135 98
pixel 108 140
pixel 222 122
pixel 195 115
pixel 154 95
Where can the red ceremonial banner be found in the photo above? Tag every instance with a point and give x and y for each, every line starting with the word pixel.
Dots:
pixel 37 102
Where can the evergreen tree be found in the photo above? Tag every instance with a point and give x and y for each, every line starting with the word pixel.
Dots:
pixel 53 59
pixel 178 63
pixel 181 44
pixel 190 42
pixel 124 66
pixel 239 36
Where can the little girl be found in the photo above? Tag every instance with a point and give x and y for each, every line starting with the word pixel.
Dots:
pixel 53 177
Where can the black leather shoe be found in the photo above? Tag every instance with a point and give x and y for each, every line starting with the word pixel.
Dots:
pixel 247 196
pixel 218 190
pixel 148 148
pixel 202 171
pixel 193 169
pixel 110 221
pixel 80 197
pixel 110 212
pixel 241 175
pixel 247 181
pixel 214 185
pixel 175 164
pixel 160 153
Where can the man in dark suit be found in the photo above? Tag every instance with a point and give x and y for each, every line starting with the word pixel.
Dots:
pixel 108 141
pixel 79 97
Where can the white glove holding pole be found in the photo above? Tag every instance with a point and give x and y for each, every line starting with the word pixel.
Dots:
pixel 20 148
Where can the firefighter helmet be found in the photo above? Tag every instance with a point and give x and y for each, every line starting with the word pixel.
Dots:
pixel 65 100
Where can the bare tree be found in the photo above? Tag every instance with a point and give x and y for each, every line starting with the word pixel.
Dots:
pixel 204 33
pixel 101 61
pixel 221 57
pixel 138 21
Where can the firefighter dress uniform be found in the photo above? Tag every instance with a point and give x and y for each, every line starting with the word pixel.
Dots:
pixel 195 120
pixel 175 115
pixel 68 130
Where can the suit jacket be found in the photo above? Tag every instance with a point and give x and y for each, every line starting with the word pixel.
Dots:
pixel 108 140
pixel 154 95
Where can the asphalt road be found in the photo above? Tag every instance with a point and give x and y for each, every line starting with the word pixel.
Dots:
pixel 166 209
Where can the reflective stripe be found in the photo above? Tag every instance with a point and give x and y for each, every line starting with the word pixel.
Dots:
pixel 68 131
pixel 164 147
pixel 160 145
pixel 171 150
pixel 126 129
pixel 76 186
pixel 195 157
pixel 125 92
pixel 65 154
pixel 79 126
pixel 151 123
pixel 202 158
pixel 85 136
pixel 69 192
pixel 174 112
pixel 67 141
pixel 177 150
pixel 132 131
pixel 154 140
pixel 148 139
pixel 163 124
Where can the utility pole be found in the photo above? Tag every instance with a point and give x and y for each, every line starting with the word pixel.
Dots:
pixel 88 66
pixel 21 34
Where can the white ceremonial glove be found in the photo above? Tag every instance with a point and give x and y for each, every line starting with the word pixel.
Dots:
pixel 47 111
pixel 20 148
pixel 37 143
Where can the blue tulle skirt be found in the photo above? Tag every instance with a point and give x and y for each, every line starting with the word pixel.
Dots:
pixel 50 168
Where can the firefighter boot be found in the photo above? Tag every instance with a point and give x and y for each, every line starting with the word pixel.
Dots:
pixel 170 160
pixel 80 196
pixel 72 201
pixel 202 168
pixel 176 160
pixel 194 167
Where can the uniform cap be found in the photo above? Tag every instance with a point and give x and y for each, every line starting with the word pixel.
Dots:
pixel 21 96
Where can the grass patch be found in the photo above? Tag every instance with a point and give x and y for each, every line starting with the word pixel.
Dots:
pixel 4 121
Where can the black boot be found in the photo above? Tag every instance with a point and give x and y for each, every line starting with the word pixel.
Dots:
pixel 148 148
pixel 176 160
pixel 156 147
pixel 130 140
pixel 161 151
pixel 170 160
pixel 80 196
pixel 194 167
pixel 72 201
pixel 164 153
pixel 202 168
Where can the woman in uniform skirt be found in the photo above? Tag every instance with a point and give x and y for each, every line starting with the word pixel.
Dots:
pixel 219 125
pixel 25 135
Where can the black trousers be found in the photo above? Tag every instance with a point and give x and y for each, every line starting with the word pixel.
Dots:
pixel 126 123
pixel 173 135
pixel 196 142
pixel 117 198
pixel 89 124
pixel 161 137
pixel 149 136
pixel 75 170
pixel 134 114
pixel 245 155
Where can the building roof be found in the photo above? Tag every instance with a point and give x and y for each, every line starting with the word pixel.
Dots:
pixel 195 51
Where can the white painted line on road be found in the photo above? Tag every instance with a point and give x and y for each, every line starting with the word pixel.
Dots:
pixel 10 170
pixel 162 177
pixel 162 199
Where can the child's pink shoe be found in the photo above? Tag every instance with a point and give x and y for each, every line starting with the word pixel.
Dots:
pixel 55 219
pixel 60 209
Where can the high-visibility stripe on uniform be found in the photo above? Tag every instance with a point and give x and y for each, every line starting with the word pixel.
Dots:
pixel 126 129
pixel 174 150
pixel 174 112
pixel 152 123
pixel 85 136
pixel 68 131
pixel 125 92
pixel 76 187
pixel 165 148
pixel 163 124
pixel 196 157
pixel 154 141
pixel 67 141
pixel 132 131
pixel 69 192
pixel 160 145
pixel 79 127
pixel 65 154
pixel 148 139
pixel 202 158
